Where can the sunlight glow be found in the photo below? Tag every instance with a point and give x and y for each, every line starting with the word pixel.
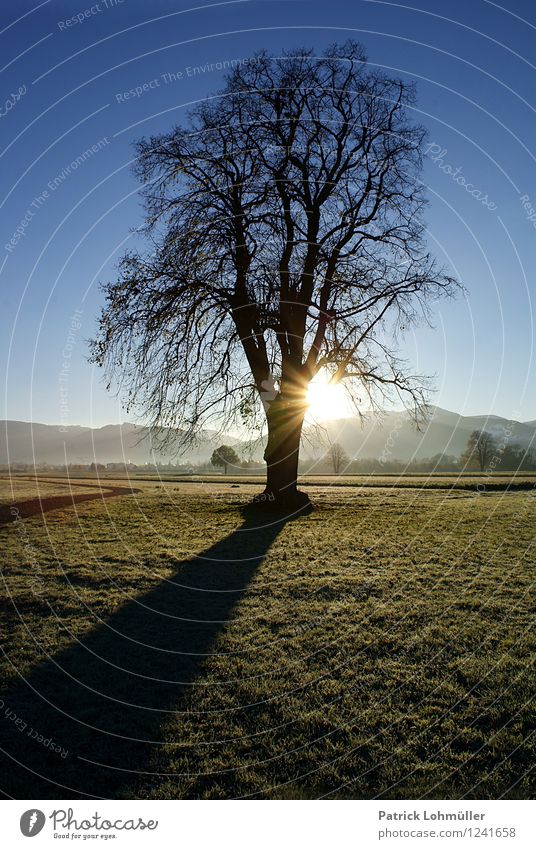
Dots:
pixel 327 401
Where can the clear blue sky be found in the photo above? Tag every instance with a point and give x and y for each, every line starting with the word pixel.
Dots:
pixel 474 64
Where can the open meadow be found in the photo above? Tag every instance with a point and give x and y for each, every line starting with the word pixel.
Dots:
pixel 165 642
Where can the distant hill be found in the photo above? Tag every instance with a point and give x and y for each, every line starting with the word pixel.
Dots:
pixel 25 442
pixel 445 433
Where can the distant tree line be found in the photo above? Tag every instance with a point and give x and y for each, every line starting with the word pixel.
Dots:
pixel 337 462
pixel 488 454
pixel 483 453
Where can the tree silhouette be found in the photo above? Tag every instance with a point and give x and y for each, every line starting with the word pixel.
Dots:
pixel 224 456
pixel 480 449
pixel 337 457
pixel 286 238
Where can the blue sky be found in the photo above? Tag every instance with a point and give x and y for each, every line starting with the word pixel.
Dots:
pixel 63 94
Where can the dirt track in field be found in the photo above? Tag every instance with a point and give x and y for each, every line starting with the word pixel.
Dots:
pixel 39 506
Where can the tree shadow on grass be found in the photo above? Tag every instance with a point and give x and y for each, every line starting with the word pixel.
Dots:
pixel 104 699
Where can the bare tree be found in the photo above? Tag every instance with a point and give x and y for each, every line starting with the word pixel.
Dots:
pixel 287 238
pixel 337 457
pixel 480 449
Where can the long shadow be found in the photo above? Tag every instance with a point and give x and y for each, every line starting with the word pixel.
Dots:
pixel 101 698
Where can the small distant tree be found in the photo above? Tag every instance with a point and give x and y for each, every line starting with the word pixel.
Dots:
pixel 479 450
pixel 224 456
pixel 337 457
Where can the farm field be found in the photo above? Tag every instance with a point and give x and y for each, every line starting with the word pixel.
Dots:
pixel 167 643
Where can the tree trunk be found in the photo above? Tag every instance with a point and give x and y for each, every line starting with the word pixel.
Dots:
pixel 285 422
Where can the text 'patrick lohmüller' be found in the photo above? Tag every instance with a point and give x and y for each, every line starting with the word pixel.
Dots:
pixel 430 815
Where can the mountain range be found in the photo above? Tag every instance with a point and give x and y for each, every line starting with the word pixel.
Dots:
pixel 30 442
pixel 393 433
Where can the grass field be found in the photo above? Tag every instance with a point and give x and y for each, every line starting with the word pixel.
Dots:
pixel 167 644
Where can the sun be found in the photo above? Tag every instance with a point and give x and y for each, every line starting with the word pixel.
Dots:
pixel 327 400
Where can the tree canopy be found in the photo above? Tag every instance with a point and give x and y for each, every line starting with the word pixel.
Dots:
pixel 224 456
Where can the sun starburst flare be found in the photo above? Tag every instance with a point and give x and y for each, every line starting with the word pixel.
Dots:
pixel 327 400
